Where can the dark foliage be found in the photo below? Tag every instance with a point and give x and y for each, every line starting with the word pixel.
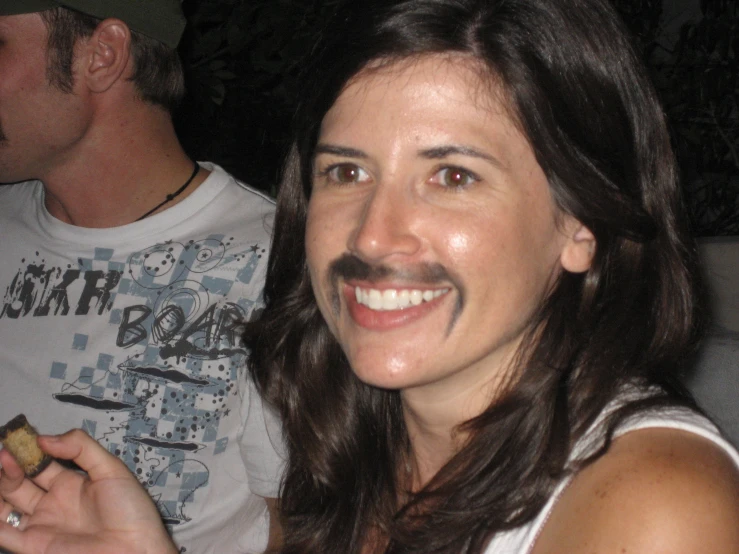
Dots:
pixel 241 64
pixel 698 78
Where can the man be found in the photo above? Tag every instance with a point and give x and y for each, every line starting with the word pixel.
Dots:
pixel 127 268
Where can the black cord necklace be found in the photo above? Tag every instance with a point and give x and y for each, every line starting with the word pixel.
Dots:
pixel 174 195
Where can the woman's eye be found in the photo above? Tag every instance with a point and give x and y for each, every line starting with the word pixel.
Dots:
pixel 454 177
pixel 346 173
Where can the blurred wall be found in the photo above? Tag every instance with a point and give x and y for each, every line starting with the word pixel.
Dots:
pixel 720 256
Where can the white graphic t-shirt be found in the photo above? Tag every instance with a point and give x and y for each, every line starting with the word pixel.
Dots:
pixel 134 335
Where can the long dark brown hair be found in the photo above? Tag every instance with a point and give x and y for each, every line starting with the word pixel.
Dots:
pixel 580 95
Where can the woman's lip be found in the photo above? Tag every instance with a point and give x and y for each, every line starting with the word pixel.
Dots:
pixel 386 319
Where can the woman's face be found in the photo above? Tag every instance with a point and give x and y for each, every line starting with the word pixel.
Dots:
pixel 432 236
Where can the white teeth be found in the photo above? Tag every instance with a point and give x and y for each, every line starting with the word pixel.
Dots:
pixel 416 297
pixel 404 299
pixel 375 299
pixel 394 299
pixel 390 299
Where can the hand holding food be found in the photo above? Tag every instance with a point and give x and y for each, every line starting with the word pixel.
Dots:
pixel 61 511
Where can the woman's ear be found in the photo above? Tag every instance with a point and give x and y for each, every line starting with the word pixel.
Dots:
pixel 579 249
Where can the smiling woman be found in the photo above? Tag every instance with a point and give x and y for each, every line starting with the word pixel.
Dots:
pixel 479 339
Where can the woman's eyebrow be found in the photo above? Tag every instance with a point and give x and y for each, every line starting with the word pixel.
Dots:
pixel 440 152
pixel 323 148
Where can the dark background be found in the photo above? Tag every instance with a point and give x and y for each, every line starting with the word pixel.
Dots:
pixel 242 58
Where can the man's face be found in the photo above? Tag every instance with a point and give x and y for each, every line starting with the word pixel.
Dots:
pixel 431 236
pixel 39 124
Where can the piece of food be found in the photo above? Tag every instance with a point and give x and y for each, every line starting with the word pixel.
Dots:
pixel 19 438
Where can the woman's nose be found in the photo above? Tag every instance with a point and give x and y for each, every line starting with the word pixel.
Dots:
pixel 385 227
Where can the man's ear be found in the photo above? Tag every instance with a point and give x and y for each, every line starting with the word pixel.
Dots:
pixel 107 54
pixel 579 249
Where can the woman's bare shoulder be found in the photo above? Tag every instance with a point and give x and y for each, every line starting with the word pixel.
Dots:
pixel 655 491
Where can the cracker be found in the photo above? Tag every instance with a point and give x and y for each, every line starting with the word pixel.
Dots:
pixel 19 438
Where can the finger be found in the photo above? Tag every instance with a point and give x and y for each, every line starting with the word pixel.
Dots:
pixel 15 487
pixel 13 475
pixel 10 467
pixel 24 497
pixel 85 451
pixel 13 516
pixel 11 539
pixel 19 490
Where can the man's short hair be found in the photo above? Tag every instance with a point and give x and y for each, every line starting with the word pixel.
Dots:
pixel 162 20
pixel 157 70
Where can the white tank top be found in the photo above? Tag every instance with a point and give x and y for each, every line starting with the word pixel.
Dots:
pixel 521 539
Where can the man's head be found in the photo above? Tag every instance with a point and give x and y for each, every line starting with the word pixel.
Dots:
pixel 55 62
pixel 156 27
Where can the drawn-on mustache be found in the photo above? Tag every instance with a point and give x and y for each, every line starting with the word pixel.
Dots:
pixel 349 266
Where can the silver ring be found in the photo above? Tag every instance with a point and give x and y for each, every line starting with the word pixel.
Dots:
pixel 14 518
